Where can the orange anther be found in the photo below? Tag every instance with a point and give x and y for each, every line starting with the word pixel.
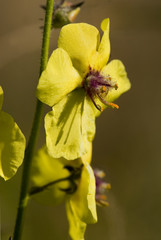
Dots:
pixel 104 88
pixel 101 174
pixel 116 86
pixel 114 105
pixel 108 186
pixel 102 197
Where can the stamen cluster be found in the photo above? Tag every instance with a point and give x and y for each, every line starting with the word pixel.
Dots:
pixel 97 85
pixel 101 187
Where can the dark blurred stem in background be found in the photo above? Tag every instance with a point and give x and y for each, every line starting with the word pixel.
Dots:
pixel 24 196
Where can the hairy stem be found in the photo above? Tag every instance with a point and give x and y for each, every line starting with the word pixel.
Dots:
pixel 24 196
pixel 36 190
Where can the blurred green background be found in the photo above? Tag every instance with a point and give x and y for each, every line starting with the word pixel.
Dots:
pixel 127 143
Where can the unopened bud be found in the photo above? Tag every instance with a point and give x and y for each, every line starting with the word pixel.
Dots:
pixel 64 13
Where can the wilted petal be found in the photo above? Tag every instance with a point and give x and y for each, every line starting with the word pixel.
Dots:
pixel 12 146
pixel 59 78
pixel 70 127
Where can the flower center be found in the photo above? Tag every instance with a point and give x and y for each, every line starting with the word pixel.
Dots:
pixel 98 86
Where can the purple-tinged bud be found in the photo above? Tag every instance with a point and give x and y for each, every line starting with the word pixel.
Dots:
pixel 64 13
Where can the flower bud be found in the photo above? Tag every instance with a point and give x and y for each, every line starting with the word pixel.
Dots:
pixel 64 13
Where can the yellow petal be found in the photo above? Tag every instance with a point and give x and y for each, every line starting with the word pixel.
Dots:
pixel 83 201
pixel 70 127
pixel 59 78
pixel 102 55
pixel 105 24
pixel 12 146
pixel 76 226
pixel 118 73
pixel 80 41
pixel 46 169
pixel 87 157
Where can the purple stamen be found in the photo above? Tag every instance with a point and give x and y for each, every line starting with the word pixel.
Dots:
pixel 102 100
pixel 97 85
pixel 96 105
pixel 101 188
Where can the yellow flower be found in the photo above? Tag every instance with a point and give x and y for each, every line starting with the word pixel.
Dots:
pixel 55 180
pixel 78 84
pixel 12 144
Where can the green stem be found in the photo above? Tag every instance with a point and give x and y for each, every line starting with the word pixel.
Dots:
pixel 24 196
pixel 75 174
pixel 36 190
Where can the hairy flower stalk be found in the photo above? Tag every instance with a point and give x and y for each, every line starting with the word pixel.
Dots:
pixel 24 197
